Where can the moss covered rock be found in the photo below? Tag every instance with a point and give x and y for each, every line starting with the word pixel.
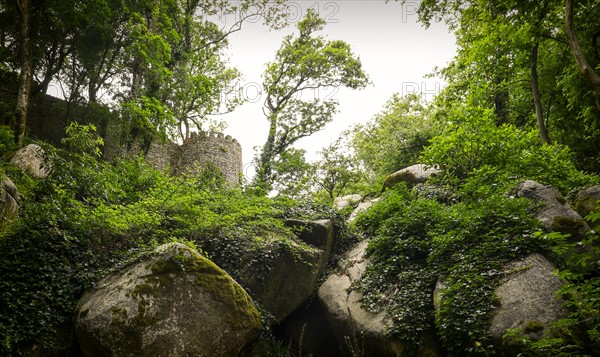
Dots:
pixel 527 296
pixel 527 301
pixel 411 175
pixel 32 159
pixel 284 279
pixel 175 303
pixel 553 211
pixel 587 200
pixel 9 206
pixel 339 203
pixel 348 318
pixel 362 207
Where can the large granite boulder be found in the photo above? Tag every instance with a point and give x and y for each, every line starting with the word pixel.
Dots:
pixel 174 303
pixel 347 317
pixel 364 206
pixel 411 175
pixel 9 202
pixel 587 200
pixel 32 160
pixel 339 203
pixel 527 297
pixel 526 294
pixel 555 213
pixel 292 270
pixel 319 233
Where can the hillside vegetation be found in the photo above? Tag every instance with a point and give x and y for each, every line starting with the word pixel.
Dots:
pixel 514 134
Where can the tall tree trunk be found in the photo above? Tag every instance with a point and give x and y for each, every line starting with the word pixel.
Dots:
pixel 19 119
pixel 584 67
pixel 501 105
pixel 537 100
pixel 265 165
pixel 92 92
pixel 55 60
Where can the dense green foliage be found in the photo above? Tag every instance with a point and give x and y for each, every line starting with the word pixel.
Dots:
pixel 416 240
pixel 473 145
pixel 92 217
pixel 515 58
pixel 517 106
pixel 395 137
pixel 160 63
pixel 463 242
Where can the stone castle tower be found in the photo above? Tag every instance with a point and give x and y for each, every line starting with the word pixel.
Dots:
pixel 202 150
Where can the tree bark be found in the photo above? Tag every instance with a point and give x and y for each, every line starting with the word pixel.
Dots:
pixel 584 67
pixel 19 118
pixel 265 168
pixel 537 100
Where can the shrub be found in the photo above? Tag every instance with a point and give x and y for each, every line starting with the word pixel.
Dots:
pixel 7 139
pixel 473 146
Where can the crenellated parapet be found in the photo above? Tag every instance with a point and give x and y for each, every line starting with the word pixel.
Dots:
pixel 210 148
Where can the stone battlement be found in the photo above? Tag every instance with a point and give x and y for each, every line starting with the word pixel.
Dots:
pixel 200 151
pixel 211 134
pixel 210 148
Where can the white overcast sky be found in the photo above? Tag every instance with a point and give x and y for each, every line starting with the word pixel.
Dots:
pixel 395 51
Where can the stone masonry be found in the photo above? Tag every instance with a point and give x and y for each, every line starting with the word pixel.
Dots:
pixel 201 151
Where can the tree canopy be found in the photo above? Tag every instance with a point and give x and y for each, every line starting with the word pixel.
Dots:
pixel 534 63
pixel 303 63
pixel 159 62
pixel 522 102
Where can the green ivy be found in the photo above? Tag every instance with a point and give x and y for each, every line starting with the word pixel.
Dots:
pixel 92 217
pixel 416 241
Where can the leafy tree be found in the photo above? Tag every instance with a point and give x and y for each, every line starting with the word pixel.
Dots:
pixel 294 174
pixel 474 146
pixel 158 56
pixel 395 137
pixel 337 171
pixel 514 57
pixel 302 64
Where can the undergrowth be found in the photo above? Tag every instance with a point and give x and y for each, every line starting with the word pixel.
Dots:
pixel 414 241
pixel 92 217
pixel 455 249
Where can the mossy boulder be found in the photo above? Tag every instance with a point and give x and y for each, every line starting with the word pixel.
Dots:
pixel 339 203
pixel 527 300
pixel 527 296
pixel 289 276
pixel 32 160
pixel 319 233
pixel 362 207
pixel 9 202
pixel 587 200
pixel 411 175
pixel 343 307
pixel 552 210
pixel 174 303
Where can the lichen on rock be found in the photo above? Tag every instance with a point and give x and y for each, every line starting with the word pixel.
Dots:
pixel 175 302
